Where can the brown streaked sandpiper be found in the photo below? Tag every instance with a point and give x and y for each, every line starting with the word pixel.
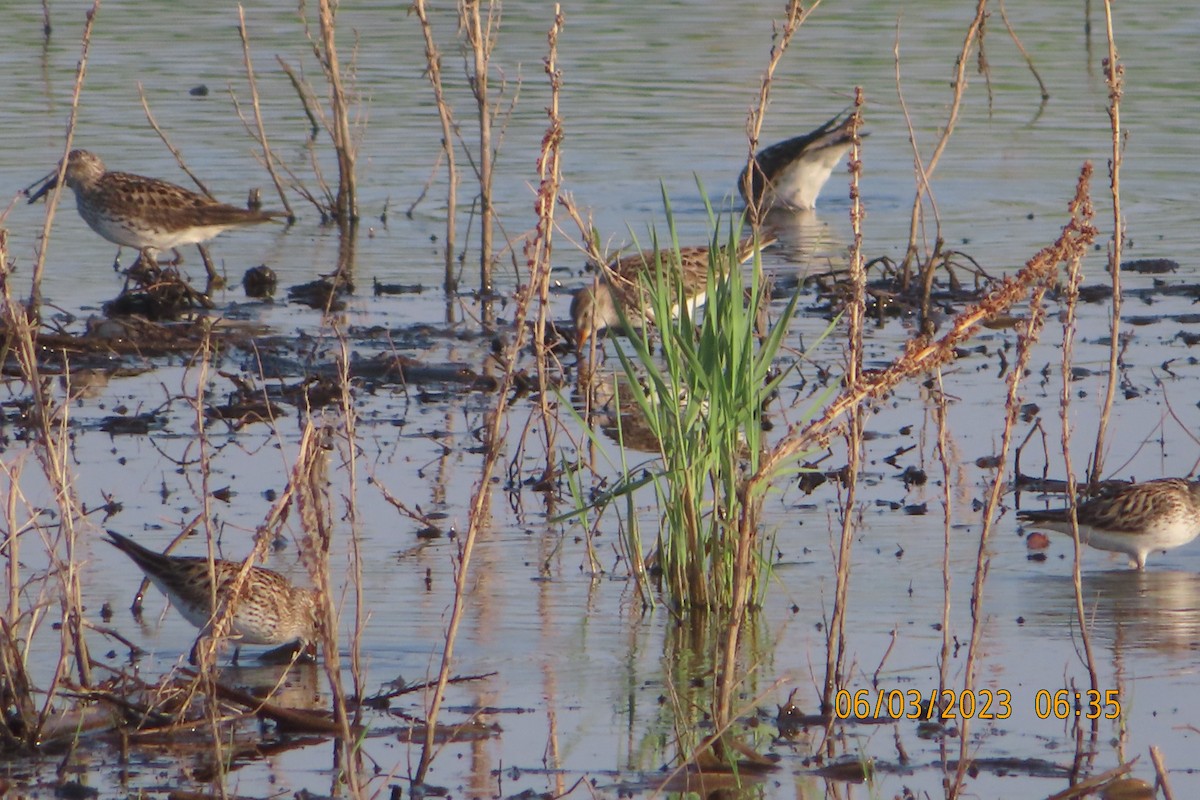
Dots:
pixel 148 214
pixel 268 610
pixel 595 307
pixel 1134 519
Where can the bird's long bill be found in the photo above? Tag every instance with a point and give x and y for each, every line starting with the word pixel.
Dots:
pixel 48 183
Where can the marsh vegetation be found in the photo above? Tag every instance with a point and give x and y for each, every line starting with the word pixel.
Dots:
pixel 708 553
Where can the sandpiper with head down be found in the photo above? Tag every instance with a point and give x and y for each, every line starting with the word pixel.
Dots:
pixel 268 609
pixel 622 286
pixel 1135 519
pixel 790 174
pixel 148 214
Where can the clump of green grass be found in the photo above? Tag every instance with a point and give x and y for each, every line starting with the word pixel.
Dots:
pixel 702 395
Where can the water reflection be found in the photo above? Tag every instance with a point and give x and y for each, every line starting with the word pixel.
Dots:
pixel 1143 610
pixel 289 686
pixel 807 242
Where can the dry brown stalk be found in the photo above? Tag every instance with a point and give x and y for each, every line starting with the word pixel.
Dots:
pixel 481 40
pixel 51 446
pixel 943 457
pixel 793 17
pixel 539 250
pixel 268 157
pixel 922 175
pixel 1024 53
pixel 1160 773
pixel 433 61
pixel 343 143
pixel 493 440
pixel 835 642
pixel 39 265
pixel 1040 273
pixel 1027 337
pixel 1114 75
pixel 342 206
pixel 304 92
pixel 1070 303
pixel 959 84
pixel 923 354
pixel 205 650
pixel 174 150
pixel 310 475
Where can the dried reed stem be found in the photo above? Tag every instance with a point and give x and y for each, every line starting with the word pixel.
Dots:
pixel 855 313
pixel 433 61
pixel 1070 303
pixel 1070 248
pixel 1160 773
pixel 33 309
pixel 493 440
pixel 304 92
pixel 205 649
pixel 349 417
pixel 481 40
pixel 539 250
pixel 311 478
pixel 174 150
pixel 1114 75
pixel 1027 337
pixel 1024 53
pixel 923 354
pixel 268 157
pixel 51 439
pixel 944 458
pixel 922 175
pixel 346 204
pixel 959 84
pixel 793 17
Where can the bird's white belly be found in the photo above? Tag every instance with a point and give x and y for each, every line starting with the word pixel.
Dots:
pixel 798 185
pixel 130 232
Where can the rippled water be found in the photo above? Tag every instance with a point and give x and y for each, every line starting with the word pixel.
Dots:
pixel 652 92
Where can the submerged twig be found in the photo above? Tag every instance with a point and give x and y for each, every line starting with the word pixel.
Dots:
pixel 174 150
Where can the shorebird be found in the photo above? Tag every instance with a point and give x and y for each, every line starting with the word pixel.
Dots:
pixel 268 609
pixel 595 307
pixel 790 174
pixel 1135 519
pixel 148 214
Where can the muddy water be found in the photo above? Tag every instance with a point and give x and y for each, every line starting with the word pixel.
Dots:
pixel 584 681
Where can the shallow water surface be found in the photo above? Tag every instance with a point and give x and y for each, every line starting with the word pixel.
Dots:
pixel 582 681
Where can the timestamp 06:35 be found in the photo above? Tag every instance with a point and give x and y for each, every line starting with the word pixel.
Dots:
pixel 1076 703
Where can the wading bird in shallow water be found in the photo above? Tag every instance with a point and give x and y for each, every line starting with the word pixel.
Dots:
pixel 595 307
pixel 790 174
pixel 1135 519
pixel 147 214
pixel 268 609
